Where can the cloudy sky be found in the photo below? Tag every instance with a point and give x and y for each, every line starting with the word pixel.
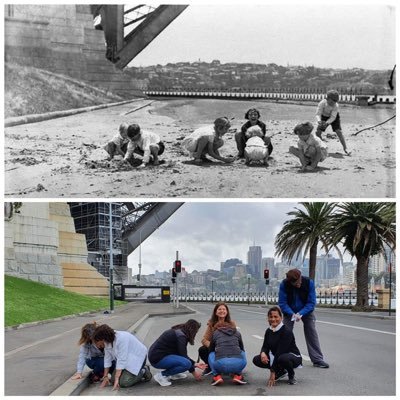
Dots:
pixel 322 34
pixel 206 233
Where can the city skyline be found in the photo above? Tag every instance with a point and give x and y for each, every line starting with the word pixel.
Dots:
pixel 303 33
pixel 206 234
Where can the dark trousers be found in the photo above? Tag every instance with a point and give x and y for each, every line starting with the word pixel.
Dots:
pixel 97 365
pixel 286 361
pixel 203 353
pixel 310 334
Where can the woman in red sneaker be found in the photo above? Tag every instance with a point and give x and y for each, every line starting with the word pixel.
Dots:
pixel 227 355
pixel 220 314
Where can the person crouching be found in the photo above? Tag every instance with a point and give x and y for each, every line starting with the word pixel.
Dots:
pixel 256 147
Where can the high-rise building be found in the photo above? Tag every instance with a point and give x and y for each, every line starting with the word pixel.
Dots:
pixel 254 260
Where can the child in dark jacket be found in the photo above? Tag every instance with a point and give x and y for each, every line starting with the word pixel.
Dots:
pixel 279 352
pixel 227 355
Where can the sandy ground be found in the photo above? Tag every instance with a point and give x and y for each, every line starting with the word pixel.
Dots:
pixel 63 158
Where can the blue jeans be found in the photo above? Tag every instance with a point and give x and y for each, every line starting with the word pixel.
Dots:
pixel 97 365
pixel 173 364
pixel 227 365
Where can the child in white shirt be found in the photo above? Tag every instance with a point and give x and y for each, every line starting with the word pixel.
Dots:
pixel 119 142
pixel 328 114
pixel 310 149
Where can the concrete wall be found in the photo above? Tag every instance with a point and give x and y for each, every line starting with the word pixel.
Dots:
pixel 41 245
pixel 62 39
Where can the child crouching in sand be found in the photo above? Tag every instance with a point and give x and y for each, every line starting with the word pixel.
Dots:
pixel 119 142
pixel 310 149
pixel 256 146
pixel 145 143
pixel 207 140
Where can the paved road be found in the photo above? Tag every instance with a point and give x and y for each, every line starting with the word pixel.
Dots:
pixel 38 359
pixel 360 350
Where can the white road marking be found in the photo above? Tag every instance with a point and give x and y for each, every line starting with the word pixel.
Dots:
pixel 335 323
pixel 357 327
pixel 27 346
pixel 258 337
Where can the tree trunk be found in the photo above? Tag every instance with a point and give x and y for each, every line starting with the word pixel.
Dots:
pixel 362 283
pixel 313 260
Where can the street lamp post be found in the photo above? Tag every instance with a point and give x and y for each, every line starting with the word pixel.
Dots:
pixel 111 267
pixel 248 289
pixel 212 290
pixel 390 283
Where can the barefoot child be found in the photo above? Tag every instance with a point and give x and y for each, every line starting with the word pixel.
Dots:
pixel 118 144
pixel 144 143
pixel 310 149
pixel 328 114
pixel 256 148
pixel 207 140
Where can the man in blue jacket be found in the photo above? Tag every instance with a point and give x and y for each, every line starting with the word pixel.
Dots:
pixel 297 301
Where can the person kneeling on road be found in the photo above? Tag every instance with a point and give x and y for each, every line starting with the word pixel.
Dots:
pixel 129 354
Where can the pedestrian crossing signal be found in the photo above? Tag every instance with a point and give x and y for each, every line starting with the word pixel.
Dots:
pixel 173 273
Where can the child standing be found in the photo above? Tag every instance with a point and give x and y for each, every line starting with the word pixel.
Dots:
pixel 118 144
pixel 310 149
pixel 328 114
pixel 207 140
pixel 89 355
pixel 144 143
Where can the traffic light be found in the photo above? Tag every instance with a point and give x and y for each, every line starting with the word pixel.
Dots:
pixel 173 273
pixel 178 266
pixel 266 276
pixel 173 280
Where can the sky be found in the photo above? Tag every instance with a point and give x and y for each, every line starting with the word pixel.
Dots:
pixel 335 35
pixel 207 233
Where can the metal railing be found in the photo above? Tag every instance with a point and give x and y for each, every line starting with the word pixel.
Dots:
pixel 348 298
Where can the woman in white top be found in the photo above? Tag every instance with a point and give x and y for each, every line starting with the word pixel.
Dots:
pixel 129 353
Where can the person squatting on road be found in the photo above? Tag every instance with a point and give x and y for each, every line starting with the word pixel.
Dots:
pixel 90 355
pixel 145 143
pixel 297 300
pixel 279 352
pixel 127 351
pixel 253 119
pixel 119 142
pixel 328 114
pixel 227 355
pixel 169 352
pixel 310 149
pixel 208 140
pixel 220 314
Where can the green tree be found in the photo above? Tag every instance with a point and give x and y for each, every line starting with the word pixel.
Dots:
pixel 363 229
pixel 304 232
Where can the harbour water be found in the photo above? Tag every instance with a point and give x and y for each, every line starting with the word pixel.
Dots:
pixel 193 112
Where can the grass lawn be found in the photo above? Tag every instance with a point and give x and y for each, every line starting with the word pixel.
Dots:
pixel 28 301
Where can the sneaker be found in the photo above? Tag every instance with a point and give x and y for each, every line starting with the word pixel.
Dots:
pixel 321 364
pixel 207 372
pixel 239 379
pixel 292 381
pixel 217 380
pixel 147 375
pixel 280 375
pixel 161 379
pixel 177 376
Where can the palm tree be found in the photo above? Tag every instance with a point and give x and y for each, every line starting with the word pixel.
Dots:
pixel 304 232
pixel 363 229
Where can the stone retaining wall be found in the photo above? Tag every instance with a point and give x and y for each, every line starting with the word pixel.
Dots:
pixel 62 39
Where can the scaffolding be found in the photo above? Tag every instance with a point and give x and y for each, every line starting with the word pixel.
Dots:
pixel 93 220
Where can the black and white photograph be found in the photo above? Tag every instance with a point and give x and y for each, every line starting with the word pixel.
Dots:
pixel 241 100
